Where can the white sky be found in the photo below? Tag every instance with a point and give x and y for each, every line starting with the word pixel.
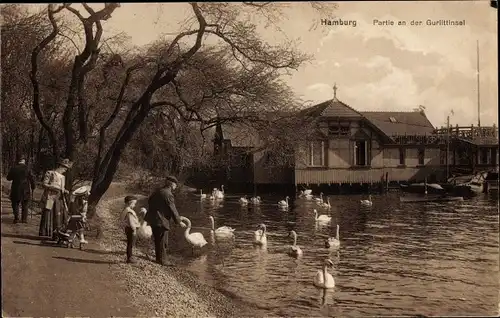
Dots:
pixel 375 67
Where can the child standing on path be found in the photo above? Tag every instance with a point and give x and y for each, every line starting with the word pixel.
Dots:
pixel 131 224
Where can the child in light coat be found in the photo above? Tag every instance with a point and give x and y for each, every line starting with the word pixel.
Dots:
pixel 131 224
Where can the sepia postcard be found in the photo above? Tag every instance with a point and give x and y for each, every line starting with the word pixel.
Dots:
pixel 250 159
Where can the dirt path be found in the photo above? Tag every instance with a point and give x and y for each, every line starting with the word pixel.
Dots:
pixel 44 280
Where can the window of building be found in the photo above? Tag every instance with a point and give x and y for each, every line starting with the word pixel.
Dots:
pixel 483 156
pixel 421 156
pixel 402 156
pixel 339 129
pixel 361 153
pixel 493 155
pixel 392 119
pixel 317 154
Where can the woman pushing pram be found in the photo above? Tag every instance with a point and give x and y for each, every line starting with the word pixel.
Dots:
pixel 75 226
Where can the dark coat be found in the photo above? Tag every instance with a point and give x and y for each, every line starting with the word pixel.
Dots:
pixel 23 182
pixel 161 209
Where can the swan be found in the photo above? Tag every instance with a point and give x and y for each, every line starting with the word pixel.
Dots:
pixel 255 200
pixel 307 191
pixel 260 235
pixel 213 196
pixel 202 195
pixel 294 250
pixel 326 204
pixel 221 231
pixel 322 217
pixel 367 202
pixel 323 279
pixel 243 201
pixel 284 203
pixel 220 193
pixel 195 239
pixel 320 198
pixel 333 242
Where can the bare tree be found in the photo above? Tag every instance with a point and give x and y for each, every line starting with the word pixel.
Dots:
pixel 159 73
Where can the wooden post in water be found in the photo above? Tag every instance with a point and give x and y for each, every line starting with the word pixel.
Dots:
pixel 387 181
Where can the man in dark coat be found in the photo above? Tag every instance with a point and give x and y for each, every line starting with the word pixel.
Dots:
pixel 23 184
pixel 160 213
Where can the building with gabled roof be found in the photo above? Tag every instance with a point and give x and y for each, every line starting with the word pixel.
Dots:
pixel 343 146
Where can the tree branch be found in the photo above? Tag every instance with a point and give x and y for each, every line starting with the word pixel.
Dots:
pixel 34 74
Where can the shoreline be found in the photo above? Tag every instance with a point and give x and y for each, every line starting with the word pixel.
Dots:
pixel 162 290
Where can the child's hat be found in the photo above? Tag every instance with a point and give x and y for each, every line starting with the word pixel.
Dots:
pixel 172 179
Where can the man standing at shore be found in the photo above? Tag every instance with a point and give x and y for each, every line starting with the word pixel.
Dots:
pixel 23 184
pixel 161 210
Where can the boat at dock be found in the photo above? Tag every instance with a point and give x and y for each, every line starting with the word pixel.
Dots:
pixel 429 198
pixel 459 186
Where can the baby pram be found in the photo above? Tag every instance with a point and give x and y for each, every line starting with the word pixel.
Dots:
pixel 75 227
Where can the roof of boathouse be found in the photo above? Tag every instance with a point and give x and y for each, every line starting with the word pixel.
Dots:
pixel 389 123
pixel 331 108
pixel 400 123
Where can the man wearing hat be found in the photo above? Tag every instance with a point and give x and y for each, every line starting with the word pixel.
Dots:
pixel 160 212
pixel 23 184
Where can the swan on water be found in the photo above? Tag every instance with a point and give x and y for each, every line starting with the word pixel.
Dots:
pixel 323 279
pixel 320 198
pixel 260 235
pixel 255 200
pixel 213 196
pixel 223 231
pixel 219 194
pixel 333 242
pixel 202 195
pixel 308 196
pixel 243 201
pixel 326 204
pixel 322 217
pixel 284 203
pixel 294 250
pixel 367 202
pixel 195 239
pixel 307 191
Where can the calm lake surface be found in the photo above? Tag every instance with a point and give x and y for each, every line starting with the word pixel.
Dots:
pixel 394 259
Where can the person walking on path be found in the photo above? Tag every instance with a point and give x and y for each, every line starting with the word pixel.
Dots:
pixel 23 185
pixel 53 202
pixel 160 212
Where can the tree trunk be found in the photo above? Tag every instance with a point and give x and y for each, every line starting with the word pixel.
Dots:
pixel 100 187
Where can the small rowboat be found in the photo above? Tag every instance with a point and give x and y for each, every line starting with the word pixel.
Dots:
pixel 413 199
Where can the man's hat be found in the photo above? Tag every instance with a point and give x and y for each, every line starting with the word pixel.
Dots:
pixel 172 179
pixel 66 163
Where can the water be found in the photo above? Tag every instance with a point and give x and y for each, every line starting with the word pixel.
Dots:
pixel 394 259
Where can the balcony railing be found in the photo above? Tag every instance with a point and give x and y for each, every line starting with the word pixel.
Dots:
pixel 470 132
pixel 432 139
pixel 478 135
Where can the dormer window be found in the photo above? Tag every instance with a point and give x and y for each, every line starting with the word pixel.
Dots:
pixel 392 119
